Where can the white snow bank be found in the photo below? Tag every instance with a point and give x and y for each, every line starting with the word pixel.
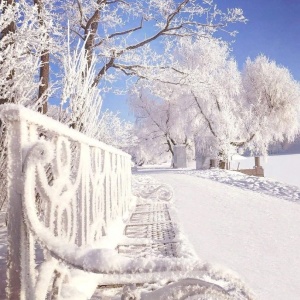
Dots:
pixel 259 184
pixel 283 168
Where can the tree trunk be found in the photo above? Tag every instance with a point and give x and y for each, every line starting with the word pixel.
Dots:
pixel 44 85
pixel 89 34
pixel 45 67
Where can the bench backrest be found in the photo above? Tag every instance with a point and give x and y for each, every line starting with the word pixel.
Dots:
pixel 73 186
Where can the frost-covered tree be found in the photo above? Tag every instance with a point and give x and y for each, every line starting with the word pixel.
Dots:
pixel 29 35
pixel 21 45
pixel 212 89
pixel 44 9
pixel 203 106
pixel 123 35
pixel 218 107
pixel 135 37
pixel 272 104
pixel 147 151
pixel 81 102
pixel 160 120
pixel 24 40
pixel 114 131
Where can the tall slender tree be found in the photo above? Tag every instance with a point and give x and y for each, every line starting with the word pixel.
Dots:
pixel 45 61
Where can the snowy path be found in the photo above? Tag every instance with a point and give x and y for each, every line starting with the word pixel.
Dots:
pixel 254 234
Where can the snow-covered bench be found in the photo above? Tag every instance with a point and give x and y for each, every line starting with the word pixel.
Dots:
pixel 69 196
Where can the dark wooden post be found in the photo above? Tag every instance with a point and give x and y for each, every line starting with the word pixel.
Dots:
pixel 257 161
pixel 213 163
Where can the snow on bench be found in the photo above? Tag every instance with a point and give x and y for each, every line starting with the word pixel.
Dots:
pixel 69 197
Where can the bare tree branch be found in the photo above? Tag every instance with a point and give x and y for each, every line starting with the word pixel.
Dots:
pixel 142 43
pixel 127 31
pixel 116 1
pixel 103 71
pixel 77 33
pixel 240 144
pixel 81 15
pixel 121 33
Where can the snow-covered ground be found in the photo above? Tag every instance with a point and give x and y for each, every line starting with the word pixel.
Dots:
pixel 250 232
pixel 263 185
pixel 284 168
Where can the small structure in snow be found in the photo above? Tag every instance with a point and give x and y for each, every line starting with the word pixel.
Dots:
pixel 256 171
pixel 202 162
pixel 179 156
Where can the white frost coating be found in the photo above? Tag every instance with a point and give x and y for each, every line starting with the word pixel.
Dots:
pixel 86 258
pixel 39 155
pixel 43 281
pixel 146 188
pixel 74 189
pixel 186 288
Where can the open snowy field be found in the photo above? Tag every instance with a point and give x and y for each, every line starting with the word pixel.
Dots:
pixel 284 168
pixel 251 233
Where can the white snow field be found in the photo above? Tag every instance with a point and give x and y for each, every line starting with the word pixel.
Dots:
pixel 284 168
pixel 249 232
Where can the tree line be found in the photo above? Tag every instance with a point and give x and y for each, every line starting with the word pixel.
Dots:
pixel 212 107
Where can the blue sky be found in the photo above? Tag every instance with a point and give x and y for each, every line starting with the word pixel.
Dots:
pixel 273 29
